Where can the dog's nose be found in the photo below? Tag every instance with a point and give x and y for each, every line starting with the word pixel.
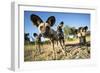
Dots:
pixel 47 27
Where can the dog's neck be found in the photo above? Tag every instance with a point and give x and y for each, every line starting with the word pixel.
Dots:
pixel 51 34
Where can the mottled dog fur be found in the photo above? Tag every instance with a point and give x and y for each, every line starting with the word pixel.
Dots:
pixel 45 28
pixel 60 35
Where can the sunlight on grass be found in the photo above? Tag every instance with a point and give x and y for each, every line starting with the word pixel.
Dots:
pixel 72 52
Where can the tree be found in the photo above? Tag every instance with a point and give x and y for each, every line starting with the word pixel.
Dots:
pixel 67 30
pixel 73 30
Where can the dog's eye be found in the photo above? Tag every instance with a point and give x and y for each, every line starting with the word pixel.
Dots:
pixel 47 26
pixel 41 27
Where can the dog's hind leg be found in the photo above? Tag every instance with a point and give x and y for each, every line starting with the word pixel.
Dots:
pixel 60 41
pixel 64 45
pixel 63 51
pixel 57 43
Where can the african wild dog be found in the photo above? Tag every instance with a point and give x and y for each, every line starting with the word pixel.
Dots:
pixel 26 37
pixel 81 33
pixel 84 33
pixel 45 29
pixel 60 35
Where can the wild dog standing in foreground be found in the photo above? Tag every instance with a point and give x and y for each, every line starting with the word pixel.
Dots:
pixel 45 29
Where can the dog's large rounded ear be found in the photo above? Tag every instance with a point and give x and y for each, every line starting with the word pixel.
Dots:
pixel 35 34
pixel 26 34
pixel 61 24
pixel 86 28
pixel 51 20
pixel 36 19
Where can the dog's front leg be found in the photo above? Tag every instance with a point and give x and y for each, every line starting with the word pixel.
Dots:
pixel 54 51
pixel 39 47
pixel 39 43
pixel 64 45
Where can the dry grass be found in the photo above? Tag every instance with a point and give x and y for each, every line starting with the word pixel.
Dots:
pixel 47 53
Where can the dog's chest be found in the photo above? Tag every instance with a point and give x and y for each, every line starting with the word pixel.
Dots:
pixel 51 35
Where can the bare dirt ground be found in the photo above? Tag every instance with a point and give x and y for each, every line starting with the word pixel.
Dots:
pixel 72 51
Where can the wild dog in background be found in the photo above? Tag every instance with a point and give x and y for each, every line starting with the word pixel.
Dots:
pixel 37 41
pixel 84 33
pixel 26 37
pixel 60 35
pixel 45 29
pixel 81 33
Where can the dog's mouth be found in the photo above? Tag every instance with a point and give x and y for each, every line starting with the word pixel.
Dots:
pixel 46 34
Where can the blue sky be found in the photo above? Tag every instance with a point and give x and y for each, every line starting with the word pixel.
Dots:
pixel 70 19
